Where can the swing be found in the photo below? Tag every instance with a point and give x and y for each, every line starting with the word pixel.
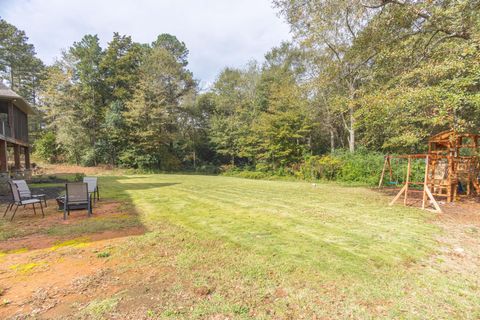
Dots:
pixel 394 179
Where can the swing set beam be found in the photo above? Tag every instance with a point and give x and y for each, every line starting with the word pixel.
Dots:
pixel 405 189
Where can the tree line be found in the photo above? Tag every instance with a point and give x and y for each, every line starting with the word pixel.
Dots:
pixel 376 75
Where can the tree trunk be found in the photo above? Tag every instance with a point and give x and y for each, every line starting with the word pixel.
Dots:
pixel 351 131
pixel 332 140
pixel 351 127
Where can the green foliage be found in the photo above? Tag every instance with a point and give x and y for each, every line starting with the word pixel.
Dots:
pixel 371 77
pixel 104 254
pixel 320 167
pixel 360 166
pixel 99 309
pixel 78 177
pixel 46 148
pixel 18 63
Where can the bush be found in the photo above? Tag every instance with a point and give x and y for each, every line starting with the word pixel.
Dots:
pixel 250 174
pixel 320 167
pixel 46 148
pixel 78 177
pixel 361 166
pixel 207 169
pixel 88 159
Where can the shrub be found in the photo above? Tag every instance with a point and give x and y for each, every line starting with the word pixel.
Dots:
pixel 361 166
pixel 327 167
pixel 88 159
pixel 208 169
pixel 46 148
pixel 78 177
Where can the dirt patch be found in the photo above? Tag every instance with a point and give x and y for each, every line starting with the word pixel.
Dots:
pixel 47 272
pixel 459 251
pixel 458 245
pixel 68 276
pixel 31 231
pixel 39 241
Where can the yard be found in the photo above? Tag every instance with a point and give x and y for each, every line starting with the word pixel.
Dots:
pixel 212 247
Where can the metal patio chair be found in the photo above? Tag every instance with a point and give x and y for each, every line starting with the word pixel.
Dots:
pixel 76 196
pixel 18 201
pixel 92 187
pixel 25 192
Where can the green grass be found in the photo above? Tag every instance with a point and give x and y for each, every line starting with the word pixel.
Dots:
pixel 293 221
pixel 97 309
pixel 277 249
pixel 336 250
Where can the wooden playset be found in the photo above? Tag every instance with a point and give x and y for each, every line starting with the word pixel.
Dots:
pixel 451 169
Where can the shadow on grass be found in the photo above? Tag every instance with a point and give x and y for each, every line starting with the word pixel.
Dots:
pixel 113 216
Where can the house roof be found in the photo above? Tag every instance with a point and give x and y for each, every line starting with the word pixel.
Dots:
pixel 21 103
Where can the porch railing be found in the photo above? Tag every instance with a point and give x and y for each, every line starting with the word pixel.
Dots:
pixel 5 129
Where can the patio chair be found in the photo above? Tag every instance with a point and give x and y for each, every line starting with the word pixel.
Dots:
pixel 92 187
pixel 25 192
pixel 18 201
pixel 76 194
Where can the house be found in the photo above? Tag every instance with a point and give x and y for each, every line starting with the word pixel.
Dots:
pixel 14 111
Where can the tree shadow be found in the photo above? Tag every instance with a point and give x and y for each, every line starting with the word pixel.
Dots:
pixel 113 216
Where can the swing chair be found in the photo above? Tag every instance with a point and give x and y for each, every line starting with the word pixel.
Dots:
pixel 394 177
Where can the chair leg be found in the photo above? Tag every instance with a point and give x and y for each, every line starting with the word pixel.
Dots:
pixel 89 206
pixel 8 207
pixel 41 207
pixel 13 215
pixel 45 200
pixel 64 211
pixel 34 210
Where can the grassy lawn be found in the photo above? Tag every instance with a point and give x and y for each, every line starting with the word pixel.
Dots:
pixel 290 249
pixel 221 247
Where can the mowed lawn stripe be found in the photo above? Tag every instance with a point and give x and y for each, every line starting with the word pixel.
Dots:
pixel 350 236
pixel 335 250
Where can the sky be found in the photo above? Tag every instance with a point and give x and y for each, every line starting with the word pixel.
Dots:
pixel 218 33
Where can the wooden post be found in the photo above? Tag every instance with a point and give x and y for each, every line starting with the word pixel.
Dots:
pixel 27 158
pixel 11 120
pixel 449 178
pixel 383 172
pixel 16 156
pixel 397 196
pixel 390 168
pixel 407 180
pixel 432 199
pixel 3 156
pixel 425 183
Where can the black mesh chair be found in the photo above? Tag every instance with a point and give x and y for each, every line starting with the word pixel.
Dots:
pixel 76 196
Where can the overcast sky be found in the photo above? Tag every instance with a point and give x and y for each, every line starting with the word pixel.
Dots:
pixel 218 33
